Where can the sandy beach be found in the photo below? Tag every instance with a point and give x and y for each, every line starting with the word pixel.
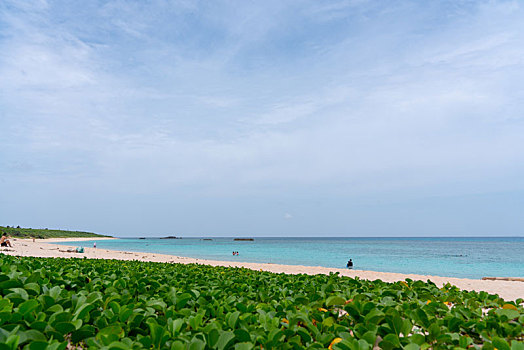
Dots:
pixel 509 290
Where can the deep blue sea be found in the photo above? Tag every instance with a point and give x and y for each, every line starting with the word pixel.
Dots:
pixel 454 257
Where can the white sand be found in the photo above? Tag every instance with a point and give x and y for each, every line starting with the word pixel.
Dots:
pixel 509 290
pixel 78 239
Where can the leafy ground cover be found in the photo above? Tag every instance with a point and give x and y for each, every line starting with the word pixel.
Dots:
pixel 21 232
pixel 57 303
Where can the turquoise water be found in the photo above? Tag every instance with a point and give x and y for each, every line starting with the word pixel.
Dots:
pixel 453 257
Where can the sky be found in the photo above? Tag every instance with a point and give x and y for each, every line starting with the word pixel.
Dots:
pixel 263 118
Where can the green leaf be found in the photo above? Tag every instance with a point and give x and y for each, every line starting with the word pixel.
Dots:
pixel 125 314
pixel 55 345
pixel 64 327
pixel 395 322
pixel 34 288
pixel 196 344
pixel 422 317
pixel 84 332
pixel 196 321
pixel 158 305
pixel 5 305
pixel 328 322
pixel 434 331
pixel 145 341
pixel 517 345
pixel 374 316
pixel 181 300
pixel 276 335
pixel 178 345
pixel 174 326
pixel 370 337
pixel 55 292
pixel 38 345
pixel 363 345
pixel 118 345
pixel 335 300
pixel 232 319
pixel 61 316
pixel 110 334
pixel 509 313
pixel 116 330
pixel 390 341
pixel 39 325
pixel 225 340
pixel 347 344
pixel 35 277
pixel 244 346
pixel 31 335
pixel 212 337
pixel 28 306
pixel 465 341
pixel 113 305
pixel 418 339
pixel 242 335
pixel 12 341
pixel 500 343
pixel 18 293
pixel 407 326
pixel 11 283
pixel 306 338
pixel 158 333
pixel 77 323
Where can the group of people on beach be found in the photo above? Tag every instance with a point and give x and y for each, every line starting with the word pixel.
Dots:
pixel 4 242
pixel 235 253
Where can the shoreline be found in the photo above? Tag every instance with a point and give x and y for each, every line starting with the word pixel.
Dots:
pixel 509 290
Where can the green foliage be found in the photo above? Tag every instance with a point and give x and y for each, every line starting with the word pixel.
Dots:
pixel 45 233
pixel 109 304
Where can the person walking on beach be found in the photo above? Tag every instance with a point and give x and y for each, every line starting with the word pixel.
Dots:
pixel 94 245
pixel 4 242
pixel 350 264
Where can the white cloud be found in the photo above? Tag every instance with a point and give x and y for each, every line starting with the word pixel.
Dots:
pixel 385 105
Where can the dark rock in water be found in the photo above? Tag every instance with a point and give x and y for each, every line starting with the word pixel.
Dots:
pixel 207 239
pixel 243 239
pixel 142 238
pixel 171 237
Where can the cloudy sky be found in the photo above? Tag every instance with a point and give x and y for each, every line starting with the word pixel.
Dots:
pixel 263 118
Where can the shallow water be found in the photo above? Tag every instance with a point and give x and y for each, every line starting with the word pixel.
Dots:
pixel 454 257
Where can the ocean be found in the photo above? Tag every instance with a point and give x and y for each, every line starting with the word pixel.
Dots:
pixel 471 257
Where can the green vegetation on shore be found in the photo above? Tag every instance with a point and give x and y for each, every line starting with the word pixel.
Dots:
pixel 21 232
pixel 51 303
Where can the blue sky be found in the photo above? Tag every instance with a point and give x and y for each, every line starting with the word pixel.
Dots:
pixel 263 118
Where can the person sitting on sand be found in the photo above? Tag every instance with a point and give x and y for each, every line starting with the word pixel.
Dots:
pixel 350 264
pixel 4 242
